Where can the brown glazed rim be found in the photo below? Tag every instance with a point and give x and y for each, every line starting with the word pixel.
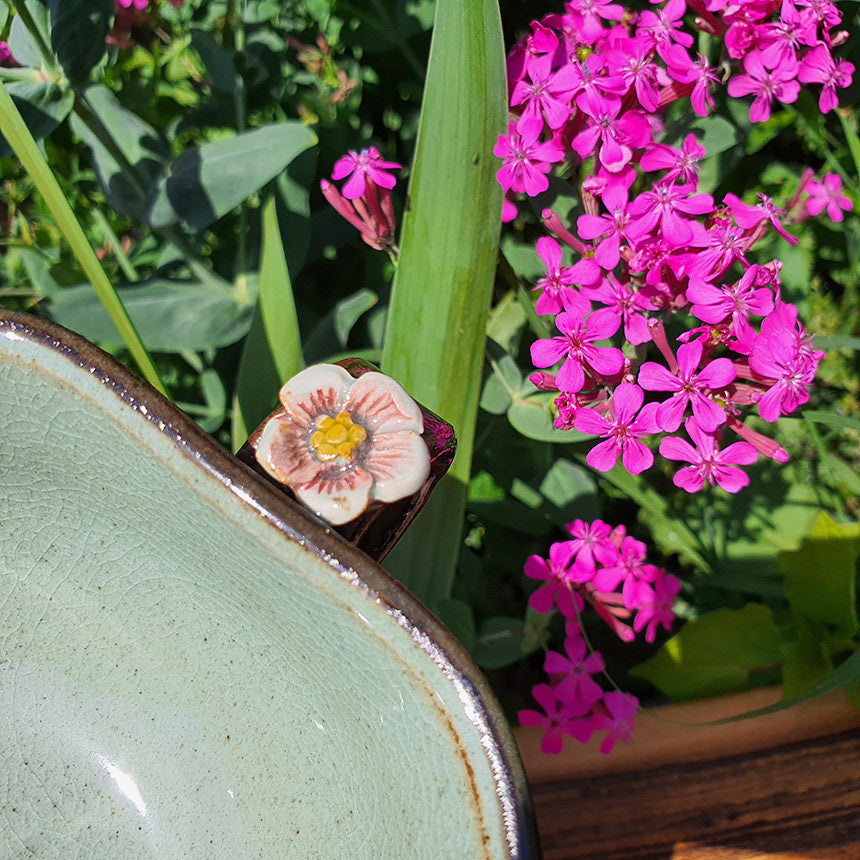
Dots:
pixel 299 525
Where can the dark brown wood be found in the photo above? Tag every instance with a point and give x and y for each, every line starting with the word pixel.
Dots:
pixel 782 786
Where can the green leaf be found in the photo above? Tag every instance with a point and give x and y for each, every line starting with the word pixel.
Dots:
pixel 832 419
pixel 78 32
pixel 440 301
pixel 272 351
pixel 42 105
pixel 169 315
pixel 821 576
pixel 276 300
pixel 714 654
pixel 836 341
pixel 208 181
pixel 38 269
pixel 129 154
pixel 31 48
pixel 457 616
pixel 331 333
pixel 506 320
pixel 846 675
pixel 499 643
pixel 805 660
pixel 501 386
pixel 565 483
pixel 533 416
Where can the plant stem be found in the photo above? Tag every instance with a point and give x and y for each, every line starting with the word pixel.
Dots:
pixel 25 148
pixel 116 246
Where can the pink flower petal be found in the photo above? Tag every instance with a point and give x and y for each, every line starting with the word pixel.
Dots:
pixel 381 405
pixel 399 463
pixel 337 496
pixel 283 451
pixel 320 389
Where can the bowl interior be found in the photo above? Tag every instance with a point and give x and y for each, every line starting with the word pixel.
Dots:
pixel 190 665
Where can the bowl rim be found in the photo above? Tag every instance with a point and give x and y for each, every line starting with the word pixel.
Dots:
pixel 299 525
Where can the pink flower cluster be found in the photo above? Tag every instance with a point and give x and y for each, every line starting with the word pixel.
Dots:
pixel 365 199
pixel 591 83
pixel 605 568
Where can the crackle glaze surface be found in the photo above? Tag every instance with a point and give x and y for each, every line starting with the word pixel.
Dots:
pixel 192 667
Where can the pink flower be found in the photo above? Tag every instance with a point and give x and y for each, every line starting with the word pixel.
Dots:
pixel 621 432
pixel 558 277
pixel 546 94
pixel 819 67
pixel 766 85
pixel 784 354
pixel 592 543
pixel 578 688
pixel 617 718
pixel 627 570
pixel 361 166
pixel 525 163
pixel 827 195
pixel 580 329
pixel 339 442
pixel 559 572
pixel 557 720
pixel 709 463
pixel 690 385
pixel 654 603
pixel 680 164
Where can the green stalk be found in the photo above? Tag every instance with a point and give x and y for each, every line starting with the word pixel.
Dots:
pixel 18 135
pixel 437 317
pixel 116 246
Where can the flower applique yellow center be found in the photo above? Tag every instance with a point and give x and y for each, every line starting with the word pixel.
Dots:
pixel 336 437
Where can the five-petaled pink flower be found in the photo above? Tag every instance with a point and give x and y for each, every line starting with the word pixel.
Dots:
pixel 828 195
pixel 621 431
pixel 339 443
pixel 361 166
pixel 709 463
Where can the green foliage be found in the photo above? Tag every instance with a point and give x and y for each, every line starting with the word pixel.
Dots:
pixel 78 32
pixel 715 653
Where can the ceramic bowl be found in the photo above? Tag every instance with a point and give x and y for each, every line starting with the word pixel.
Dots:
pixel 191 665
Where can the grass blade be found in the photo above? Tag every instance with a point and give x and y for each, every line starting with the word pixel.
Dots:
pixel 437 317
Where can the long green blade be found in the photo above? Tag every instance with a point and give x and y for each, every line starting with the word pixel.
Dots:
pixel 437 318
pixel 273 348
pixel 18 135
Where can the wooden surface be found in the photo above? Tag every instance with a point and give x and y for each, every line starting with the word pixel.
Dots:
pixel 777 787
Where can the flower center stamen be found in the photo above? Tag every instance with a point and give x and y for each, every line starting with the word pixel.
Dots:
pixel 336 437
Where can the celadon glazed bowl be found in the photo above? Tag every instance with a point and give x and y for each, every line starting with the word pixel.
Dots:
pixel 193 666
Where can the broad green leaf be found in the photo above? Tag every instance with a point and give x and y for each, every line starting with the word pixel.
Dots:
pixel 533 416
pixel 836 341
pixel 566 483
pixel 714 654
pixel 169 315
pixel 31 48
pixel 501 386
pixel 535 629
pixel 821 576
pixel 437 317
pixel 128 153
pixel 208 181
pixel 505 323
pixel 331 333
pixel 42 105
pixel 38 269
pixel 499 642
pixel 805 660
pixel 78 32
